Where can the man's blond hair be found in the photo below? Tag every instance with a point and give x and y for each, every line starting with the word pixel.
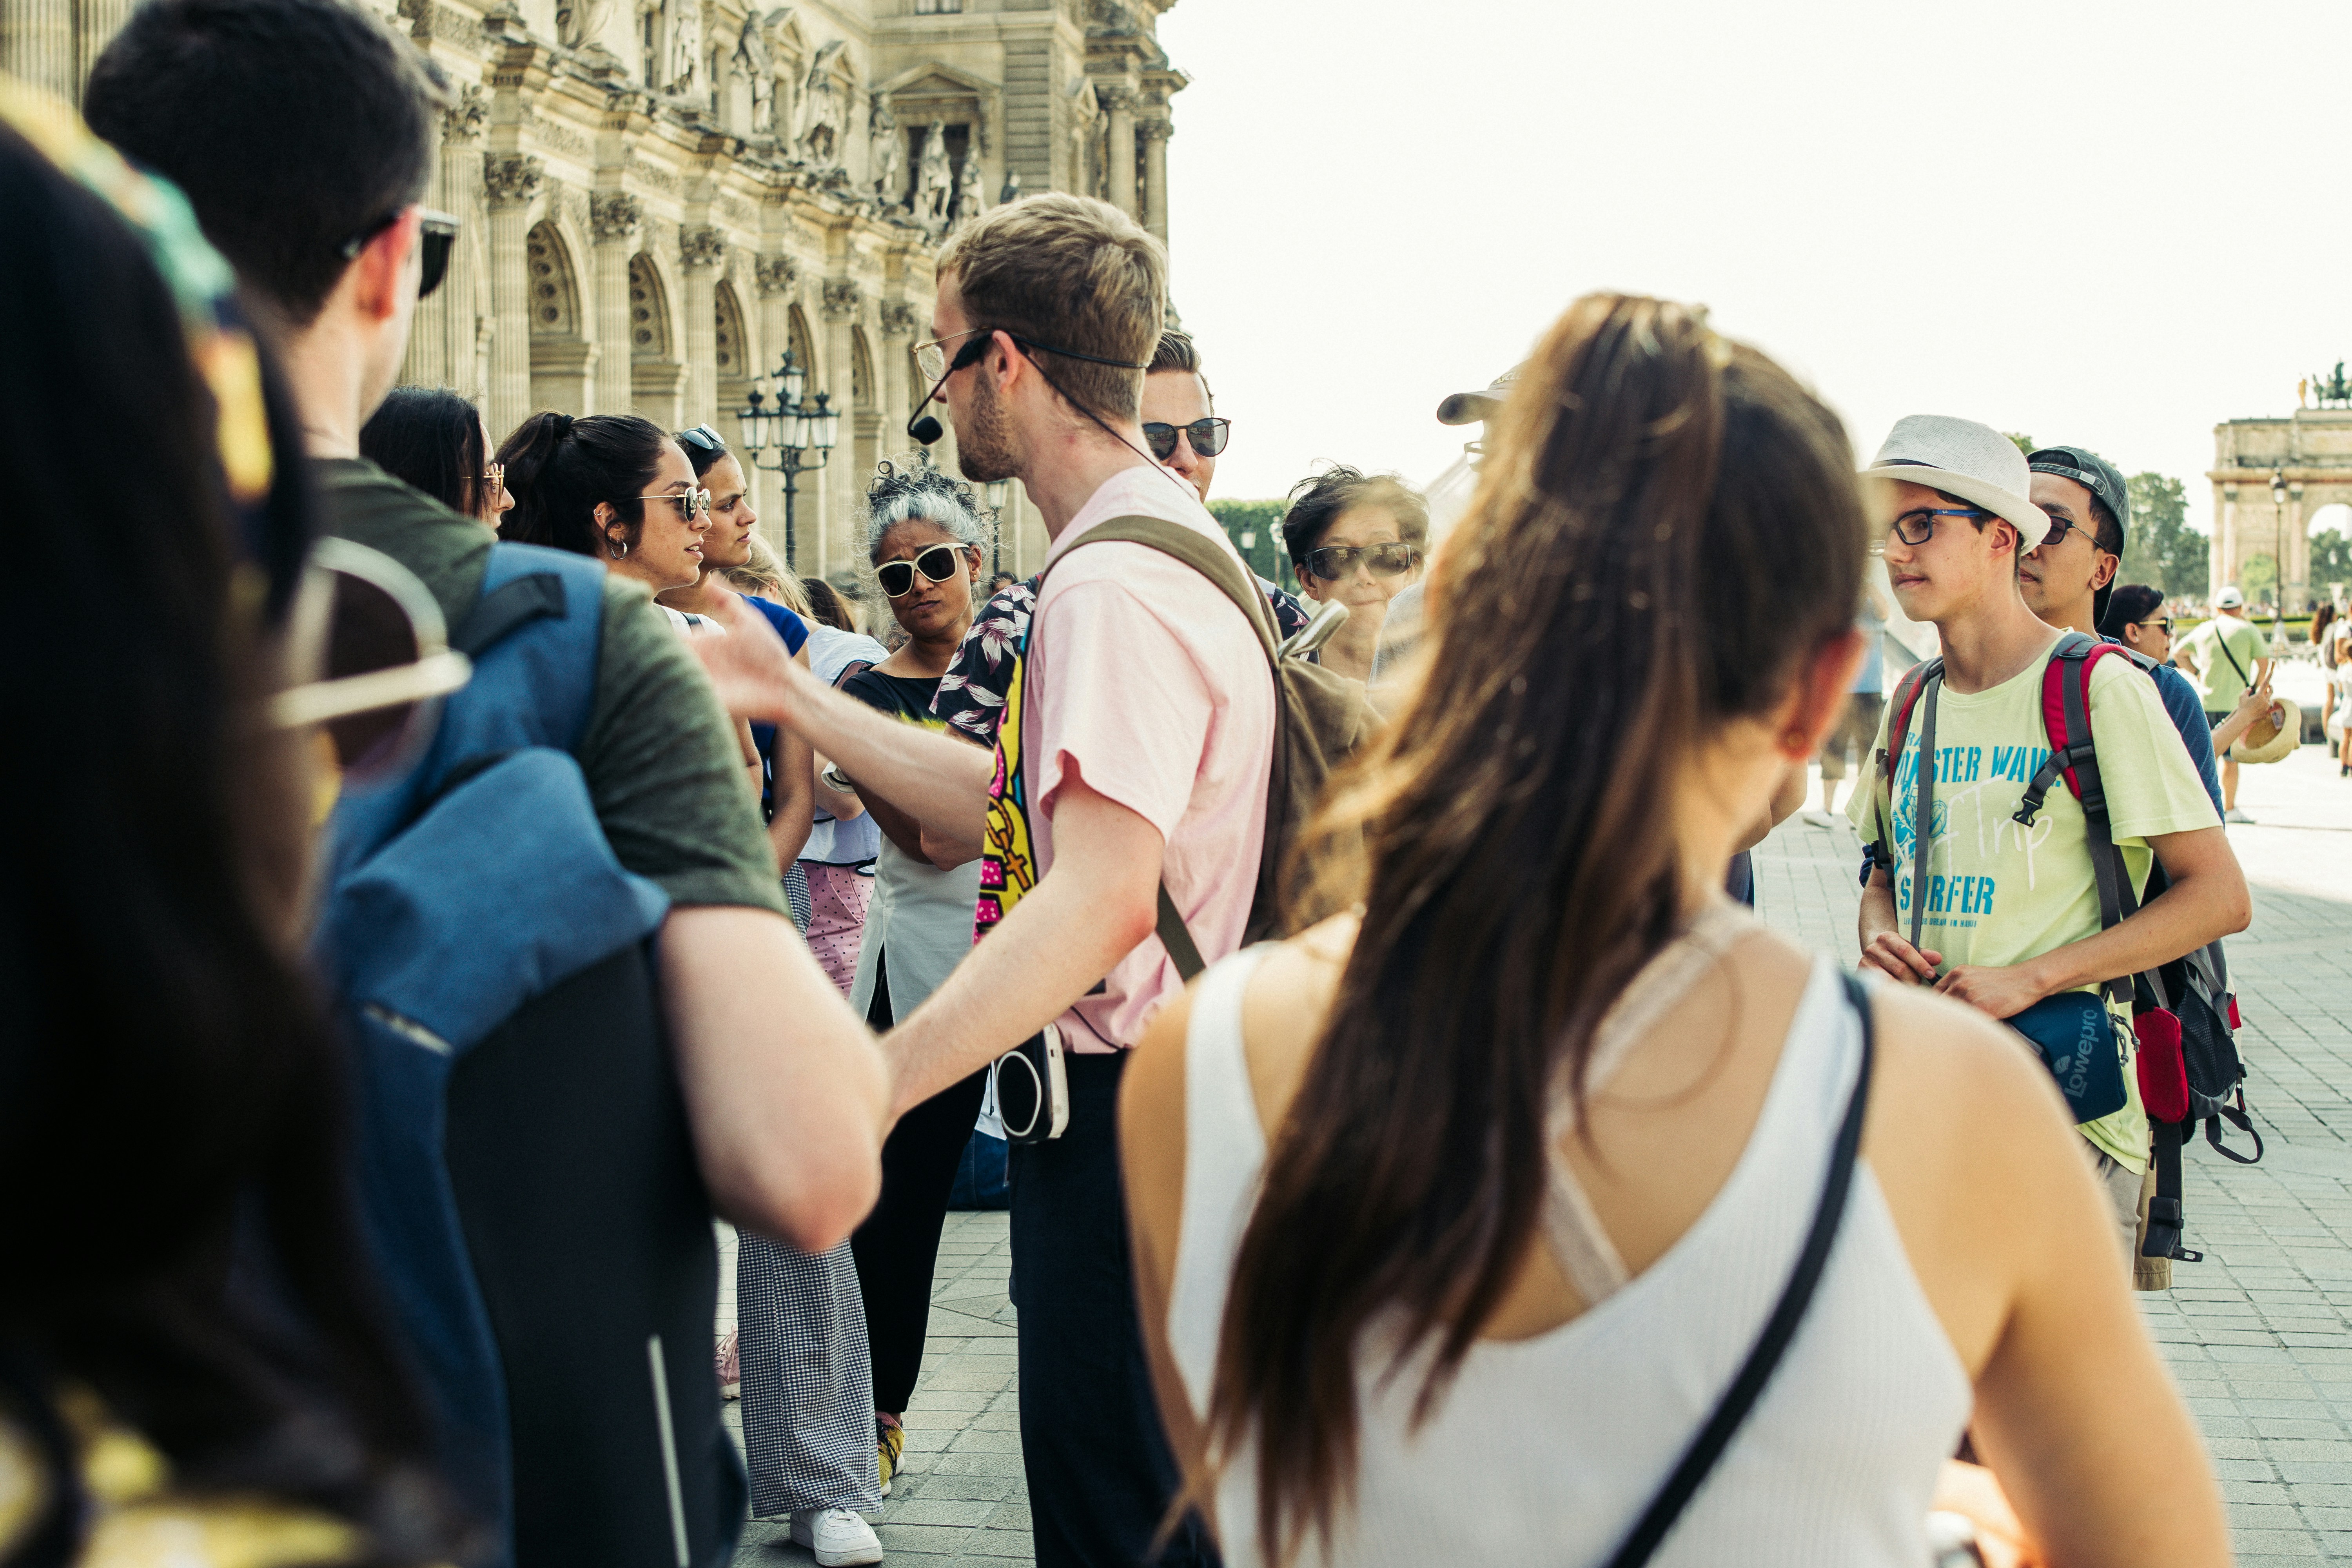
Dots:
pixel 1069 273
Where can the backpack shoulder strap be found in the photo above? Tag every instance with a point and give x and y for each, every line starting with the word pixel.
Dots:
pixel 2066 720
pixel 1194 550
pixel 1914 680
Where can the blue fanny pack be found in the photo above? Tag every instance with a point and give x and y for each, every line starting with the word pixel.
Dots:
pixel 2075 1037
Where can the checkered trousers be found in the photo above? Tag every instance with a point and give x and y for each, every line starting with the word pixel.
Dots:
pixel 808 1385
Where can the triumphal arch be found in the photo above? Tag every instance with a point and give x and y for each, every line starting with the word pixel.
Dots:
pixel 2271 475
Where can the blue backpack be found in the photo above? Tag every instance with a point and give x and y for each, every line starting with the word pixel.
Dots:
pixel 526 1170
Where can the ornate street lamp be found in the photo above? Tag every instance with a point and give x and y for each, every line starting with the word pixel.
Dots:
pixel 799 436
pixel 2278 551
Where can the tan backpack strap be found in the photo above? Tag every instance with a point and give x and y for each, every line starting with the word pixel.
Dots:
pixel 1201 555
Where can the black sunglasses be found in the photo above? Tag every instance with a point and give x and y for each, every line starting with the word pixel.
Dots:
pixel 437 235
pixel 1207 438
pixel 897 577
pixel 2162 623
pixel 1331 562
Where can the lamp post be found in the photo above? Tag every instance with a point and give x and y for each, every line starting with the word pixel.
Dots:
pixel 996 491
pixel 2278 549
pixel 800 435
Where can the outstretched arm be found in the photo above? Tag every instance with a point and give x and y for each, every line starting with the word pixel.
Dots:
pixel 941 783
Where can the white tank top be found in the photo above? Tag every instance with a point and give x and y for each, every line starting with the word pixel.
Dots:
pixel 1545 1450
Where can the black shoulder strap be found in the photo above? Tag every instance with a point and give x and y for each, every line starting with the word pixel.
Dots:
pixel 1923 809
pixel 508 608
pixel 2222 641
pixel 1779 1329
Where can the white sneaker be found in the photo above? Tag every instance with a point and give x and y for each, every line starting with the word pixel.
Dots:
pixel 1815 818
pixel 837 1535
pixel 2234 815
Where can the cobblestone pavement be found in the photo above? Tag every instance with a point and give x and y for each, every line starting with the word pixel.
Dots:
pixel 2257 1333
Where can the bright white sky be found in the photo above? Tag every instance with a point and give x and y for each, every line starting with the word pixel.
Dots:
pixel 2108 225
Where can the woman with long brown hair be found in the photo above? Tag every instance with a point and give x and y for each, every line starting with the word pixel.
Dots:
pixel 1457 1216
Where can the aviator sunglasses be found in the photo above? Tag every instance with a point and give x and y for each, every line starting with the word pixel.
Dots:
pixel 897 577
pixel 1207 438
pixel 1330 562
pixel 436 234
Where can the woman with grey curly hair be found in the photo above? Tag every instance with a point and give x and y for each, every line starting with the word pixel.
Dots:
pixel 923 538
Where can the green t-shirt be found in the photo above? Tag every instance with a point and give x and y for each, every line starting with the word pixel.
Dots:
pixel 2219 683
pixel 1999 893
pixel 663 766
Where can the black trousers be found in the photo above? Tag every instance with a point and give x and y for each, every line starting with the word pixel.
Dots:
pixel 1100 1472
pixel 899 1246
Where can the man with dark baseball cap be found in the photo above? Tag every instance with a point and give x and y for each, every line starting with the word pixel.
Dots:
pixel 2086 534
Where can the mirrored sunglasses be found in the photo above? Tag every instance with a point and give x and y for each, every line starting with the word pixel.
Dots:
pixel 1331 562
pixel 897 577
pixel 1207 438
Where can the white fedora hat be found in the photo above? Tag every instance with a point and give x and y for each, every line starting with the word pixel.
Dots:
pixel 1962 458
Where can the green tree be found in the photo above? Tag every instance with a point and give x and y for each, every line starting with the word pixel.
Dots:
pixel 1255 529
pixel 2025 444
pixel 2257 575
pixel 2160 547
pixel 2331 560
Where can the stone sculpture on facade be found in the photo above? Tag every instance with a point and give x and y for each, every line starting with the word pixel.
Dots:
pixel 752 62
pixel 2332 391
pixel 823 114
pixel 686 49
pixel 969 201
pixel 934 187
pixel 1011 192
pixel 886 159
pixel 580 23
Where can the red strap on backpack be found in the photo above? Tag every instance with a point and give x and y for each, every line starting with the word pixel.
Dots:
pixel 2070 664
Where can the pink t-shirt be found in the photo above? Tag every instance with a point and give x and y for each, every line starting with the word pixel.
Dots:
pixel 1146 681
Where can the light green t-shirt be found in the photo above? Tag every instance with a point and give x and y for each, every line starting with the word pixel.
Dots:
pixel 2219 684
pixel 1999 893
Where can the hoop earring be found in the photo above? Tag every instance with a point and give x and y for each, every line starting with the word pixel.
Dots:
pixel 620 549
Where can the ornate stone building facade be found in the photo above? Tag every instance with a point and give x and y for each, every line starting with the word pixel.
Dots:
pixel 661 196
pixel 2269 476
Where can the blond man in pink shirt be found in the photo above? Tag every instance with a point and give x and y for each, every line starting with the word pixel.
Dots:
pixel 1142 754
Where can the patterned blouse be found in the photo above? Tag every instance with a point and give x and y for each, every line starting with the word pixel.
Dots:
pixel 970 699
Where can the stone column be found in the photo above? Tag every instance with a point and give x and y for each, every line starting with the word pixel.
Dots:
pixel 1121 183
pixel 512 181
pixel 36 45
pixel 614 217
pixel 1155 134
pixel 779 279
pixel 441 343
pixel 897 396
pixel 99 22
pixel 702 250
pixel 2294 554
pixel 844 299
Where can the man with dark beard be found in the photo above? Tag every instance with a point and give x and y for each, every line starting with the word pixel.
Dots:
pixel 1135 751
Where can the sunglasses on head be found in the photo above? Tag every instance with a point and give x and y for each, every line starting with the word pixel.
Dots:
pixel 1330 562
pixel 703 438
pixel 897 577
pixel 436 233
pixel 1207 438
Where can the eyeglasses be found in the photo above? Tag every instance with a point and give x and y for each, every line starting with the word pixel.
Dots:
pixel 494 481
pixel 897 577
pixel 1331 562
pixel 436 234
pixel 691 504
pixel 2059 527
pixel 2162 623
pixel 1918 526
pixel 1207 438
pixel 372 653
pixel 703 438
pixel 932 358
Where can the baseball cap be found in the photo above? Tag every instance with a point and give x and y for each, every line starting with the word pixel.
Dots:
pixel 1469 407
pixel 2230 598
pixel 1962 458
pixel 2103 480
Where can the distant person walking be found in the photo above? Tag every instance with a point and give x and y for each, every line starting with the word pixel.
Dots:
pixel 2223 658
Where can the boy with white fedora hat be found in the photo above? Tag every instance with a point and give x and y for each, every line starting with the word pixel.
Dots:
pixel 2005 914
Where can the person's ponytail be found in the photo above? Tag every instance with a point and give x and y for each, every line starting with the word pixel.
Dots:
pixel 558 468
